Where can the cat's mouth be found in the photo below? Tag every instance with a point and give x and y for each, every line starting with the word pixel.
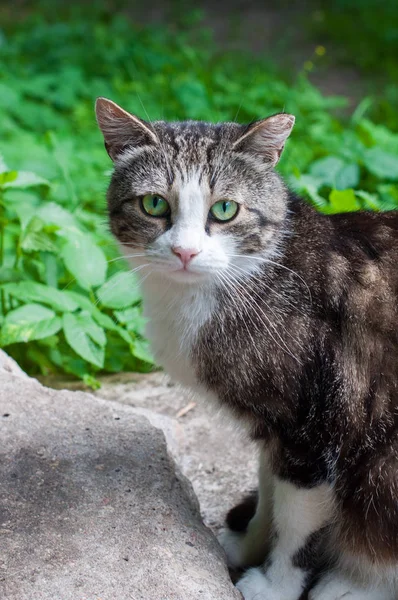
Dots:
pixel 186 274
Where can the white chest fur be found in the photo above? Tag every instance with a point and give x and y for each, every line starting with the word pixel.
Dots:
pixel 175 315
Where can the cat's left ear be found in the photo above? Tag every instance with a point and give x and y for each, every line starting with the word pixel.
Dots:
pixel 267 137
pixel 121 129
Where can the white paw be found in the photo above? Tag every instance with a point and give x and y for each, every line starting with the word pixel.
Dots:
pixel 244 549
pixel 337 587
pixel 255 586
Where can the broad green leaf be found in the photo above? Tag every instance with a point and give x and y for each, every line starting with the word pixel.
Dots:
pixel 27 323
pixel 343 201
pixel 34 237
pixel 108 323
pixel 347 177
pixel 85 260
pixel 37 292
pixel 325 169
pixel 381 164
pixel 141 350
pixel 120 291
pixel 25 179
pixel 335 173
pixel 101 318
pixel 91 328
pixel 53 213
pixel 81 341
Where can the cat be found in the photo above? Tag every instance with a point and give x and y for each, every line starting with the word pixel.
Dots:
pixel 288 318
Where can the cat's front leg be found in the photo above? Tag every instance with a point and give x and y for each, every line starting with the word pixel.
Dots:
pixel 299 516
pixel 247 544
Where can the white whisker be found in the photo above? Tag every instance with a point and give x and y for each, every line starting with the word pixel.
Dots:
pixel 125 257
pixel 255 304
pixel 276 264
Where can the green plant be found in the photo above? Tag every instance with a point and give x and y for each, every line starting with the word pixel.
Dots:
pixel 67 300
pixel 63 305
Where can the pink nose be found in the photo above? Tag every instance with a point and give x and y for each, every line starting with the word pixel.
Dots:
pixel 185 254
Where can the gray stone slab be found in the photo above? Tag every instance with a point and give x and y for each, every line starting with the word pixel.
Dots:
pixel 92 506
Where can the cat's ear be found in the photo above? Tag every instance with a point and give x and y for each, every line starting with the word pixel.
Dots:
pixel 266 137
pixel 121 129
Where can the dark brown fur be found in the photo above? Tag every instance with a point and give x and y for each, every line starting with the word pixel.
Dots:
pixel 332 405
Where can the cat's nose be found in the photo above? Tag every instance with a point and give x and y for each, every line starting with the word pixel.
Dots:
pixel 185 254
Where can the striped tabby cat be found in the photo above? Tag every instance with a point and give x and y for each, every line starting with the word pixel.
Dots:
pixel 288 318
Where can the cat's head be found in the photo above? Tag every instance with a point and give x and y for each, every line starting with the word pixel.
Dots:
pixel 194 200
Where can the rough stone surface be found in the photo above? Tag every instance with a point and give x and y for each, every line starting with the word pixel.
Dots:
pixel 92 506
pixel 211 450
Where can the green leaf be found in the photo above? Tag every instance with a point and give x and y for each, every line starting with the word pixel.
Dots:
pixel 53 213
pixel 309 186
pixel 347 177
pixel 120 291
pixel 101 318
pixel 6 178
pixel 26 213
pixel 85 260
pixel 132 319
pixel 379 135
pixel 335 173
pixel 381 164
pixel 34 237
pixel 79 336
pixel 141 351
pixel 91 381
pixel 37 292
pixel 7 274
pixel 91 328
pixel 369 201
pixel 342 201
pixel 25 179
pixel 27 323
pixel 82 301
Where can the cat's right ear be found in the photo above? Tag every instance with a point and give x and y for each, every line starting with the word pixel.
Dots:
pixel 121 129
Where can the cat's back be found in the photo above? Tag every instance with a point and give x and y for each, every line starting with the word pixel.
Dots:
pixel 374 233
pixel 346 254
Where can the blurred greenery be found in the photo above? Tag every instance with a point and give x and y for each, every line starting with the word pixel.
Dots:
pixel 68 305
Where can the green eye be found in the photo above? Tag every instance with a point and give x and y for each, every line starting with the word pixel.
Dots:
pixel 155 205
pixel 224 210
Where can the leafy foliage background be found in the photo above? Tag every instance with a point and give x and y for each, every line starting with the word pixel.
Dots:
pixel 68 303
